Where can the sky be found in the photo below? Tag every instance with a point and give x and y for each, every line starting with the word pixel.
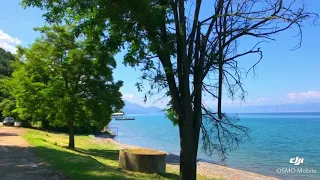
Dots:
pixel 283 76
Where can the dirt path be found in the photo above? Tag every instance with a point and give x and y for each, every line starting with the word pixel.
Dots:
pixel 18 162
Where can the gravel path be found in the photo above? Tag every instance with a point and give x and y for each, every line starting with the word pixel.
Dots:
pixel 203 168
pixel 223 172
pixel 18 162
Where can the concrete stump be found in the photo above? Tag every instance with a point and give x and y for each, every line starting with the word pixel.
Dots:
pixel 143 160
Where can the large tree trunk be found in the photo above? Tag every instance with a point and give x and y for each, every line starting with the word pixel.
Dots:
pixel 189 139
pixel 188 156
pixel 71 134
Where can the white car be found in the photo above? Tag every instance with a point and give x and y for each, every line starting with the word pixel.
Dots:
pixel 8 121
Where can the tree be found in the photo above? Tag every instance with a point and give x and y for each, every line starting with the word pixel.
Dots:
pixel 5 71
pixel 5 58
pixel 66 81
pixel 184 55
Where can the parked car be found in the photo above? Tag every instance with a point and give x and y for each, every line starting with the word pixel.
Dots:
pixel 8 121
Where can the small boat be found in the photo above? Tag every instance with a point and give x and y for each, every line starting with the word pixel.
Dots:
pixel 117 114
pixel 124 118
pixel 111 133
pixel 108 132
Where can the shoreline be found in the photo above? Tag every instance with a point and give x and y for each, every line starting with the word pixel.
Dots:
pixel 207 169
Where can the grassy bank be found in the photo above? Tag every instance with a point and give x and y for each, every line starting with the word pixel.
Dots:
pixel 90 160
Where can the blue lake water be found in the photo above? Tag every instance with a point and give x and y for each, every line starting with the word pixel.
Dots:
pixel 274 139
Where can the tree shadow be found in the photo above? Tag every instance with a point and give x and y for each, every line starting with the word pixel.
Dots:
pixel 82 166
pixel 8 134
pixel 114 155
pixel 19 162
pixel 108 154
pixel 173 159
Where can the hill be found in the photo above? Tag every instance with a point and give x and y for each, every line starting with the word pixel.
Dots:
pixel 133 108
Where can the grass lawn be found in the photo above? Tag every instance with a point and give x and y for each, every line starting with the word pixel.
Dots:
pixel 90 160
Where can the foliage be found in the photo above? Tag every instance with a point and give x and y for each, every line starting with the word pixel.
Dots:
pixel 7 102
pixel 65 81
pixel 5 71
pixel 171 114
pixel 5 58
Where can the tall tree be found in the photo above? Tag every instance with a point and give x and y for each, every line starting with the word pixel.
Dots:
pixel 5 59
pixel 65 80
pixel 185 52
pixel 5 71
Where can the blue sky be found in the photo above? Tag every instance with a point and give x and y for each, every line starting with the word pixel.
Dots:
pixel 284 76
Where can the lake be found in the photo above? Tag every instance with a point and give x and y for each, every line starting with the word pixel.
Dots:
pixel 274 139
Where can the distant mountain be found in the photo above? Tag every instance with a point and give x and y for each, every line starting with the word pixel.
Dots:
pixel 132 108
pixel 305 107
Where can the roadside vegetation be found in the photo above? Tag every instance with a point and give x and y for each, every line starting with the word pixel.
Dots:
pixel 90 159
pixel 6 58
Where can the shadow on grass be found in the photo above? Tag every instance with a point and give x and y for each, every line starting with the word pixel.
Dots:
pixel 108 154
pixel 114 155
pixel 82 166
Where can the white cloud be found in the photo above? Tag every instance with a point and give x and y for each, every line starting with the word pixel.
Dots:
pixel 304 96
pixel 8 43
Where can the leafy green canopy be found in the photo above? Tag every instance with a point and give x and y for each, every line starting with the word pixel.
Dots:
pixel 5 71
pixel 5 58
pixel 61 77
pixel 116 24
